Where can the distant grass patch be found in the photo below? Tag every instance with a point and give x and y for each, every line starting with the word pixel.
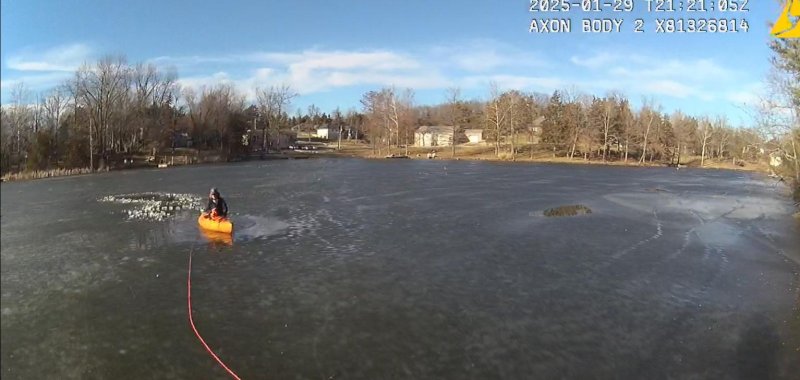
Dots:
pixel 571 210
pixel 37 174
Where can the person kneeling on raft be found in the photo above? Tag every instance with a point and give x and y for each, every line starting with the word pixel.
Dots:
pixel 216 208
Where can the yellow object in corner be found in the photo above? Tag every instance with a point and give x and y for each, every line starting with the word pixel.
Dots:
pixel 788 23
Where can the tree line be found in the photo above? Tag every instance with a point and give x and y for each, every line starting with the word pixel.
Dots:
pixel 779 112
pixel 113 108
pixel 566 123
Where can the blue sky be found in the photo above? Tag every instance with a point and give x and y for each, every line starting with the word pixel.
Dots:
pixel 331 52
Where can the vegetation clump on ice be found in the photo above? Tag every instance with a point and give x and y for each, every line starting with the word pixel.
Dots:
pixel 571 210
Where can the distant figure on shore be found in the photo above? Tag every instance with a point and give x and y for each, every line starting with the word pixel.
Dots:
pixel 217 207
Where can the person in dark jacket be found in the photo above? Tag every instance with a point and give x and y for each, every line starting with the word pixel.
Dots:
pixel 216 208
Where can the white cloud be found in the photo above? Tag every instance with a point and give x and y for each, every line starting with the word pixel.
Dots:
pixel 748 95
pixel 650 65
pixel 60 58
pixel 482 56
pixel 596 61
pixel 518 82
pixel 376 61
pixel 198 82
pixel 669 88
pixel 308 59
pixel 190 60
pixel 470 65
pixel 695 70
pixel 651 75
pixel 313 71
pixel 743 97
pixel 35 81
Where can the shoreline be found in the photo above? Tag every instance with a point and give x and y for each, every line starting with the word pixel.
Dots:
pixel 366 153
pixel 419 154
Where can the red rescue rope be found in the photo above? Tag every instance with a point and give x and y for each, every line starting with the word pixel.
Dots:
pixel 191 322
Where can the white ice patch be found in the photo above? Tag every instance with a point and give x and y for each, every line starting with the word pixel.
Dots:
pixel 154 206
pixel 709 207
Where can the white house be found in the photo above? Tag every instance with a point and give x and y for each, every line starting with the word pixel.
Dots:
pixel 440 135
pixel 328 133
pixel 474 135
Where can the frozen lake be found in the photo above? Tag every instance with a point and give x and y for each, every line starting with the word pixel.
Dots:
pixel 356 269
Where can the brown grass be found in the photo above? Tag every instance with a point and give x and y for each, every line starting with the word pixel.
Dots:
pixel 486 152
pixel 38 174
pixel 725 164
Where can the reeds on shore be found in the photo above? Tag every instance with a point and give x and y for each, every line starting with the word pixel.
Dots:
pixel 37 174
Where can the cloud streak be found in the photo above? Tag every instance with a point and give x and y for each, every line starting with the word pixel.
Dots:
pixel 471 65
pixel 61 58
pixel 700 79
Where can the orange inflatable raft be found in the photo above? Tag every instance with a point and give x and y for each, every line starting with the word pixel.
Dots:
pixel 215 224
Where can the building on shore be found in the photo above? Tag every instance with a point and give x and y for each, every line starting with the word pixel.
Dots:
pixel 440 135
pixel 474 136
pixel 327 132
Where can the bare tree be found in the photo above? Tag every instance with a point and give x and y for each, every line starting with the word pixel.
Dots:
pixel 376 106
pixel 313 115
pixel 779 111
pixel 454 112
pixel 102 90
pixel 684 128
pixel 55 104
pixel 535 109
pixel 399 109
pixel 496 114
pixel 608 107
pixel 404 114
pixel 338 122
pixel 706 132
pixel 627 122
pixel 393 115
pixel 20 114
pixel 273 103
pixel 575 116
pixel 722 139
pixel 646 120
pixel 153 94
pixel 515 108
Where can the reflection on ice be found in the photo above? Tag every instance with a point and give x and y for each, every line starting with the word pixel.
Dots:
pixel 217 237
pixel 253 227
